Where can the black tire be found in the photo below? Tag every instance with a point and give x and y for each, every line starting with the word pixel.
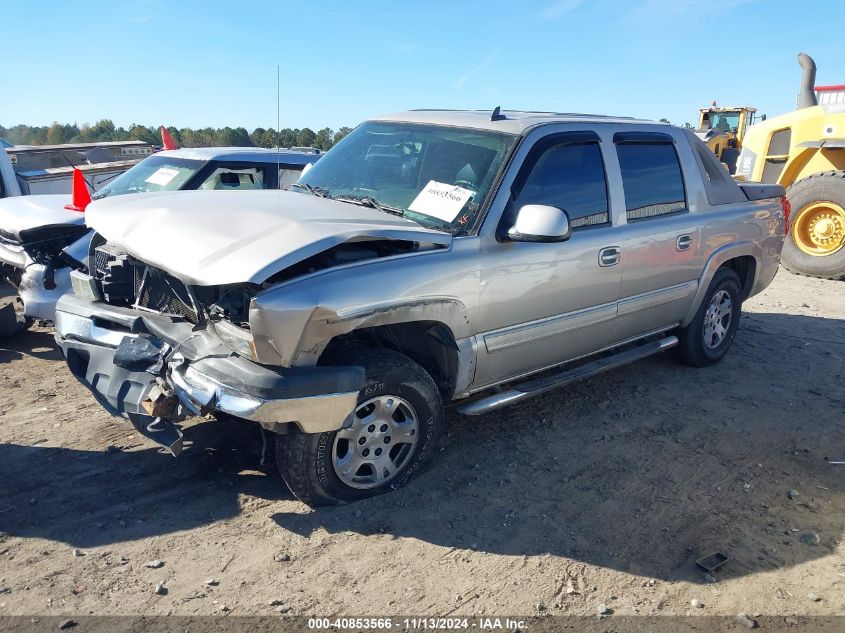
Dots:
pixel 691 339
pixel 12 318
pixel 24 322
pixel 826 186
pixel 305 460
pixel 729 156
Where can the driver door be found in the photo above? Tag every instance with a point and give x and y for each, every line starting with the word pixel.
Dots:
pixel 545 303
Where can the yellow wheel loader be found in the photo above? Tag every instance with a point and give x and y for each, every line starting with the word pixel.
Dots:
pixel 723 130
pixel 804 151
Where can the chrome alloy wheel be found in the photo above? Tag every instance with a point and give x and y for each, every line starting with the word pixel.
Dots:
pixel 379 443
pixel 717 319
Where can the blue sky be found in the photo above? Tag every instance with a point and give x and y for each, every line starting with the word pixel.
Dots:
pixel 211 63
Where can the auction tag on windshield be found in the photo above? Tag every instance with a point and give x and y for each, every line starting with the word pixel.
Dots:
pixel 162 176
pixel 440 200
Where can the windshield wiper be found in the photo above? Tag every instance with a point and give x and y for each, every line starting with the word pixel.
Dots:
pixel 102 193
pixel 369 201
pixel 314 191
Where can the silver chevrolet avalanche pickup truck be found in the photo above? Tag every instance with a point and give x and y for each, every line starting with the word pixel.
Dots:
pixel 431 257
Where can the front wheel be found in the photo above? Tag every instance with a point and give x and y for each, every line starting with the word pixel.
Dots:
pixel 393 435
pixel 711 332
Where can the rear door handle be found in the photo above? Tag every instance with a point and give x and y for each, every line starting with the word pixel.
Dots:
pixel 609 256
pixel 683 242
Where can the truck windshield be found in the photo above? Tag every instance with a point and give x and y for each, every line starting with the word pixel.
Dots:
pixel 155 173
pixel 437 176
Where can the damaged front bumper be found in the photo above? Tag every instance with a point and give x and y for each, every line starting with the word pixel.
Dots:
pixel 156 370
pixel 41 288
pixel 38 285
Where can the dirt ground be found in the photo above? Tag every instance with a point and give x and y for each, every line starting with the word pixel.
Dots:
pixel 605 493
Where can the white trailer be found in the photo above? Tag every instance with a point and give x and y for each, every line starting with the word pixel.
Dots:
pixel 45 169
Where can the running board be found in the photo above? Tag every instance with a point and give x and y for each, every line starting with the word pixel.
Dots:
pixel 537 386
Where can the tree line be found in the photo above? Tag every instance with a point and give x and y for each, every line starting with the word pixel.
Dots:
pixel 105 130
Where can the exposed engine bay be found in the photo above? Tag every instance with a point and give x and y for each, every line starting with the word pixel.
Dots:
pixel 347 253
pixel 125 281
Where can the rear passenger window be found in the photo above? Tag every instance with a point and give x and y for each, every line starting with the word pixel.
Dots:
pixel 234 178
pixel 569 176
pixel 652 179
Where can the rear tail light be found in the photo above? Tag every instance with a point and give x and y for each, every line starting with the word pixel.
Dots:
pixel 787 209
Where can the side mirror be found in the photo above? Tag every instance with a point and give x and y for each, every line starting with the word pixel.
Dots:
pixel 540 223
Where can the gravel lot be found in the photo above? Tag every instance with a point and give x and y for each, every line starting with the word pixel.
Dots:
pixel 605 493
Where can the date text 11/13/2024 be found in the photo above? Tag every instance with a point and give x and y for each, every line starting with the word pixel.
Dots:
pixel 417 623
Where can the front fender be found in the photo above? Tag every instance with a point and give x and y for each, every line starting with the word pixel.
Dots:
pixel 294 321
pixel 305 331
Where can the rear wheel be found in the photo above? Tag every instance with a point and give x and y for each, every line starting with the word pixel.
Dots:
pixel 815 245
pixel 393 435
pixel 710 334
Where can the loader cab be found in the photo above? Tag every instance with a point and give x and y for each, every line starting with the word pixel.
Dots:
pixel 723 131
pixel 726 120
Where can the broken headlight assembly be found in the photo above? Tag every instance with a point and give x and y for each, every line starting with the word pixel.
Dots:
pixel 228 316
pixel 237 339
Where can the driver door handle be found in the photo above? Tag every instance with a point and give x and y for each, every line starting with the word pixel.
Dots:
pixel 683 242
pixel 609 256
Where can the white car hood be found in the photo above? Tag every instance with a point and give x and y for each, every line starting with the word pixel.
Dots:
pixel 22 213
pixel 221 237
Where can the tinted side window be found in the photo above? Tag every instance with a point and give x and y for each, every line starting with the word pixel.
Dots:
pixel 571 177
pixel 651 177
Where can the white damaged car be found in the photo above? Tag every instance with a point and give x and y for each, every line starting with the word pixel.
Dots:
pixel 35 230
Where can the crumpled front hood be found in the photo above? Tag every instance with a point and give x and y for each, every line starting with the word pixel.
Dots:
pixel 223 237
pixel 22 213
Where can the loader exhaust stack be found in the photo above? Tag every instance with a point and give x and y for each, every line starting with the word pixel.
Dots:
pixel 807 94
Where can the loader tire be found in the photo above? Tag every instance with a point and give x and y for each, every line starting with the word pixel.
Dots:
pixel 729 157
pixel 815 245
